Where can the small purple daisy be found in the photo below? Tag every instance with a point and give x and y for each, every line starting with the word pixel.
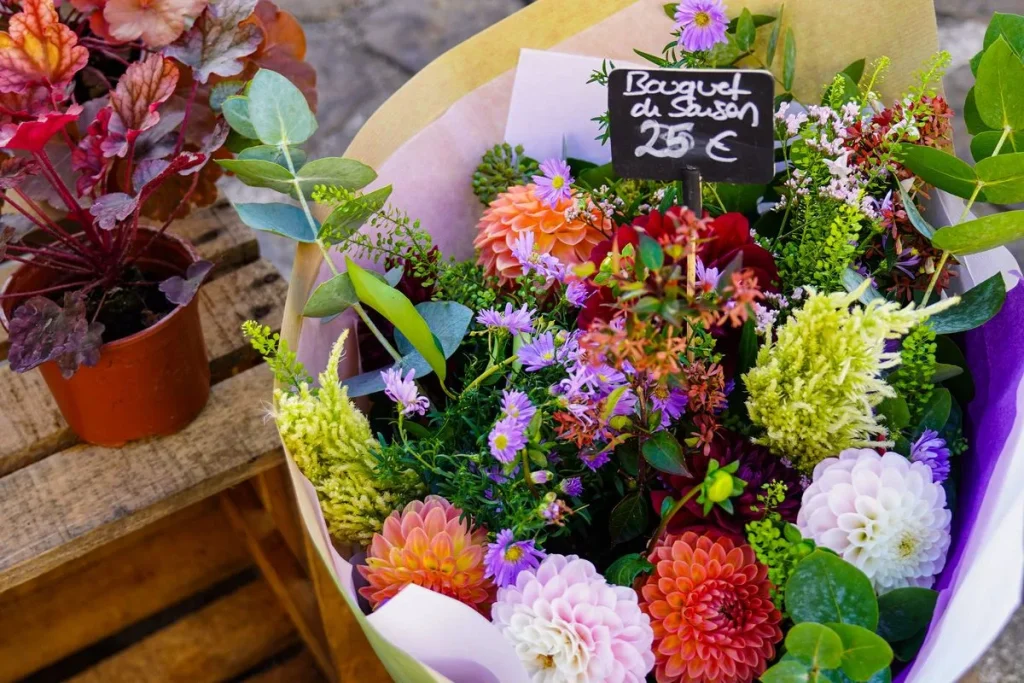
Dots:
pixel 671 402
pixel 707 277
pixel 532 260
pixel 402 390
pixel 577 293
pixel 538 354
pixel 701 24
pixel 506 439
pixel 506 557
pixel 572 487
pixel 595 459
pixel 931 449
pixel 516 321
pixel 516 405
pixel 555 185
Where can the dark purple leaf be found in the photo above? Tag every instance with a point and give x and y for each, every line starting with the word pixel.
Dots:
pixel 216 138
pixel 184 163
pixel 15 170
pixel 112 208
pixel 218 40
pixel 7 234
pixel 41 331
pixel 146 171
pixel 180 290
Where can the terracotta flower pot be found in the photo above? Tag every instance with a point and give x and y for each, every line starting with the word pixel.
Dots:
pixel 152 383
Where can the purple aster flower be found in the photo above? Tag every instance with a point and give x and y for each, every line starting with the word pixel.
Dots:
pixel 572 487
pixel 532 260
pixel 538 354
pixel 595 460
pixel 516 404
pixel 514 320
pixel 403 392
pixel 670 401
pixel 577 293
pixel 707 277
pixel 555 185
pixel 607 378
pixel 701 23
pixel 506 557
pixel 507 438
pixel 931 449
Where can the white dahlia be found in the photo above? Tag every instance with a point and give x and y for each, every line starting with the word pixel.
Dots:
pixel 881 513
pixel 569 625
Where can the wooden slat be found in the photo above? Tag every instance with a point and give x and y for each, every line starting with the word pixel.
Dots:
pixel 218 642
pixel 31 426
pixel 59 613
pixel 217 234
pixel 298 669
pixel 69 503
pixel 275 493
pixel 280 568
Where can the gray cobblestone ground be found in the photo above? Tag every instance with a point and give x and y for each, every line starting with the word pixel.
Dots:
pixel 365 49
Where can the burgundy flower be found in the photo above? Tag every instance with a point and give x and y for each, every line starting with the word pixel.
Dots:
pixel 758 466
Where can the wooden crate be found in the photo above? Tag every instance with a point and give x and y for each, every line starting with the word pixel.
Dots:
pixel 162 560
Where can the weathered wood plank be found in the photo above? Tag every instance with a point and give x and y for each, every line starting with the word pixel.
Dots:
pixel 61 612
pixel 298 669
pixel 31 426
pixel 216 643
pixel 280 568
pixel 67 504
pixel 217 234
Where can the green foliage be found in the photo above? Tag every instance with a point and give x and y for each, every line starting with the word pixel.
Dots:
pixel 288 371
pixel 623 571
pixel 502 167
pixel 665 454
pixel 982 234
pixel 824 588
pixel 816 644
pixel 779 547
pixel 825 247
pixel 912 378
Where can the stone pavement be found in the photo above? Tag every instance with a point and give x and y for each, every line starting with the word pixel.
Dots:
pixel 364 50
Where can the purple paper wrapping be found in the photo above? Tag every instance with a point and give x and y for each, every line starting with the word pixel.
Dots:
pixel 995 357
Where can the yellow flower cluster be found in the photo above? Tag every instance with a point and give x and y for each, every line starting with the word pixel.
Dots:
pixel 331 442
pixel 813 391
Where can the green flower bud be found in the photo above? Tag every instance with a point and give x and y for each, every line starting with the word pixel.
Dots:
pixel 719 488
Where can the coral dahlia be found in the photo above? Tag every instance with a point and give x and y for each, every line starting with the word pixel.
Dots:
pixel 427 544
pixel 568 624
pixel 521 211
pixel 711 610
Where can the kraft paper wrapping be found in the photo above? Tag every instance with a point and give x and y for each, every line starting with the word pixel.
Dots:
pixel 427 139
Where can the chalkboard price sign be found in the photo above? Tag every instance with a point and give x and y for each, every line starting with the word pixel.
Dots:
pixel 718 120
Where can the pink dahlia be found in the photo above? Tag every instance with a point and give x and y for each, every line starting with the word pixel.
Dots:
pixel 568 624
pixel 429 545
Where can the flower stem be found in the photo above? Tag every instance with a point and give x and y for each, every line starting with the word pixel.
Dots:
pixel 487 373
pixel 665 520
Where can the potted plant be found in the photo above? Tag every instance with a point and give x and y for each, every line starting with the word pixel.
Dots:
pixel 103 304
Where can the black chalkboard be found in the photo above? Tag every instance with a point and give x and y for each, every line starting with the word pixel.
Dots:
pixel 719 120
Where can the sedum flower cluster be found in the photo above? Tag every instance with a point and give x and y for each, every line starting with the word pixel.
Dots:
pixel 331 442
pixel 814 389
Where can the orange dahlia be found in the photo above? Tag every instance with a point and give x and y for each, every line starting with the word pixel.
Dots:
pixel 711 611
pixel 428 545
pixel 519 211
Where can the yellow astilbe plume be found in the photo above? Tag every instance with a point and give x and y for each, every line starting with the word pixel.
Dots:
pixel 331 442
pixel 814 389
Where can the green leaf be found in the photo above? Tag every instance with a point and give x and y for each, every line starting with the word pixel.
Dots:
pixel 629 518
pixel 651 254
pixel 448 320
pixel 331 298
pixel 347 173
pixel 789 61
pixel 1003 176
pixel 260 173
pixel 905 612
pixel 400 312
pixel 273 154
pixel 224 90
pixel 746 31
pixel 670 9
pixel 759 21
pixel 984 144
pixel 653 59
pixel 852 280
pixel 916 219
pixel 856 70
pixel 824 588
pixel 623 571
pixel 962 386
pixel 787 671
pixel 816 645
pixel 665 454
pixel 864 652
pixel 936 411
pixel 981 234
pixel 725 54
pixel 941 169
pixel 281 219
pixel 1010 27
pixel 977 306
pixel 944 371
pixel 972 118
pixel 999 89
pixel 740 198
pixel 773 39
pixel 837 676
pixel 597 176
pixel 349 217
pixel 236 113
pixel 278 110
pixel 905 650
pixel 896 412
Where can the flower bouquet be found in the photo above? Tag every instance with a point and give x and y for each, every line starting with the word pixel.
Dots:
pixel 570 426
